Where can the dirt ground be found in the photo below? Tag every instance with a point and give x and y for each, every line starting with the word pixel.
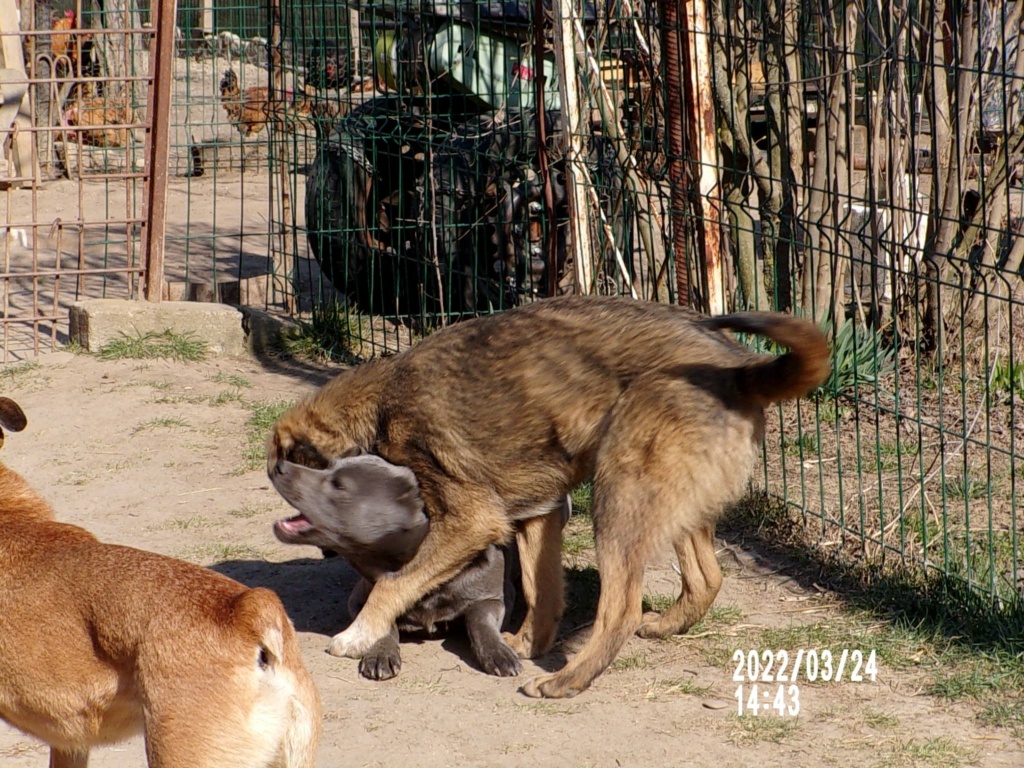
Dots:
pixel 153 454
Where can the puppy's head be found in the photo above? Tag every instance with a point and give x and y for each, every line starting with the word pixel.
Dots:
pixel 360 506
pixel 11 417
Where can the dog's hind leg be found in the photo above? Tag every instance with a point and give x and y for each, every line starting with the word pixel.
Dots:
pixel 702 578
pixel 539 540
pixel 59 758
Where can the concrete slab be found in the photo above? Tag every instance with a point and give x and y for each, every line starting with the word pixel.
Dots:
pixel 95 322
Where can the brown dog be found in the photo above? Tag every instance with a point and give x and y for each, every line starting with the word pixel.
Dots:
pixel 99 642
pixel 499 417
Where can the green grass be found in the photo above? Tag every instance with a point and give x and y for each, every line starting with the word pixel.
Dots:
pixel 166 345
pixel 262 417
pixel 880 721
pixel 223 398
pixel 759 729
pixel 938 752
pixel 249 511
pixel 13 373
pixel 325 337
pixel 582 499
pixel 1007 381
pixel 630 661
pixel 232 380
pixel 161 423
pixel 1004 714
pixel 964 487
pixel 680 686
pixel 806 444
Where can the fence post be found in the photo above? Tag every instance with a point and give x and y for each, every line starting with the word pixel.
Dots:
pixel 161 73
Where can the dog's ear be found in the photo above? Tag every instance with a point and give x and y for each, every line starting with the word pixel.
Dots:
pixel 11 416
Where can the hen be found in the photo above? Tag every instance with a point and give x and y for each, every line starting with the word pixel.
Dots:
pixel 250 110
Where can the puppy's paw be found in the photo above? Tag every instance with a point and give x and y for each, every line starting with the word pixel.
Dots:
pixel 354 642
pixel 498 659
pixel 549 687
pixel 383 662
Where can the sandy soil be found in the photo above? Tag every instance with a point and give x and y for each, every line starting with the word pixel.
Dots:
pixel 153 455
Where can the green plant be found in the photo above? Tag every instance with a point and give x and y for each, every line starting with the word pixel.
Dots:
pixel 860 359
pixel 261 418
pixel 325 337
pixel 1007 380
pixel 153 345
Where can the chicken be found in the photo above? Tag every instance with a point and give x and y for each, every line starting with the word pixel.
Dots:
pixel 87 115
pixel 73 53
pixel 250 110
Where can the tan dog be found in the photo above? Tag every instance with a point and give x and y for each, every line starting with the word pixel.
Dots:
pixel 499 417
pixel 99 642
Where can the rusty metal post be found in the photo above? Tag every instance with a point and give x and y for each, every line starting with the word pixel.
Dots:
pixel 672 32
pixel 161 73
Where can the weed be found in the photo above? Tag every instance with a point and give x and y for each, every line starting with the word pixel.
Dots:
pixel 964 487
pixel 860 359
pixel 164 423
pixel 1007 381
pixel 1005 715
pixel 939 752
pixel 326 337
pixel 630 661
pixel 166 345
pixel 233 380
pixel 582 499
pixel 683 686
pixel 754 730
pixel 228 396
pixel 248 511
pixel 880 720
pixel 261 419
pixel 13 374
pixel 804 445
pixel 578 537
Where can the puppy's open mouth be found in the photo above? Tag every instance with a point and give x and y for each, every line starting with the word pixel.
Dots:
pixel 294 525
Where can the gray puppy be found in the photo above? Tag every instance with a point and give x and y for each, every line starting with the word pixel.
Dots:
pixel 370 511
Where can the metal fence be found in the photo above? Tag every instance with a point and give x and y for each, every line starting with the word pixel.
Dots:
pixel 384 168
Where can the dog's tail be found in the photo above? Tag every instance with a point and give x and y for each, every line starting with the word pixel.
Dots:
pixel 288 704
pixel 787 376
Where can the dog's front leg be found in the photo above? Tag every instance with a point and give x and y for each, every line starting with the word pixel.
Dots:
pixel 74 759
pixel 453 540
pixel 384 659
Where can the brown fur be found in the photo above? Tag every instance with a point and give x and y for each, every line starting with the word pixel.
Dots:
pixel 99 642
pixel 500 416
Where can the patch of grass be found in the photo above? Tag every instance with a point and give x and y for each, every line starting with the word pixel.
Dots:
pixel 547 708
pixel 658 603
pixel 1005 714
pixel 75 348
pixel 578 536
pixel 225 397
pixel 218 553
pixel 806 444
pixel 12 374
pixel 716 617
pixel 262 417
pixel 881 721
pixel 249 511
pixel 582 499
pixel 1007 381
pixel 630 661
pixel 762 728
pixel 165 345
pixel 196 522
pixel 162 423
pixel 938 752
pixel 964 487
pixel 680 686
pixel 860 359
pixel 891 454
pixel 232 380
pixel 326 337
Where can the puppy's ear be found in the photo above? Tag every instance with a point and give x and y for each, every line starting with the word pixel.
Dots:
pixel 11 416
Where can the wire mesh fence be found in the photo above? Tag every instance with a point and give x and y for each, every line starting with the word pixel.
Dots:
pixel 389 167
pixel 73 116
pixel 858 162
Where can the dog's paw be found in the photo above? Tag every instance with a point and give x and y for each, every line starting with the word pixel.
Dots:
pixel 549 687
pixel 354 642
pixel 652 627
pixel 381 663
pixel 499 660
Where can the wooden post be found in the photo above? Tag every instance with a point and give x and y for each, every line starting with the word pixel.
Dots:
pixel 161 73
pixel 701 124
pixel 576 175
